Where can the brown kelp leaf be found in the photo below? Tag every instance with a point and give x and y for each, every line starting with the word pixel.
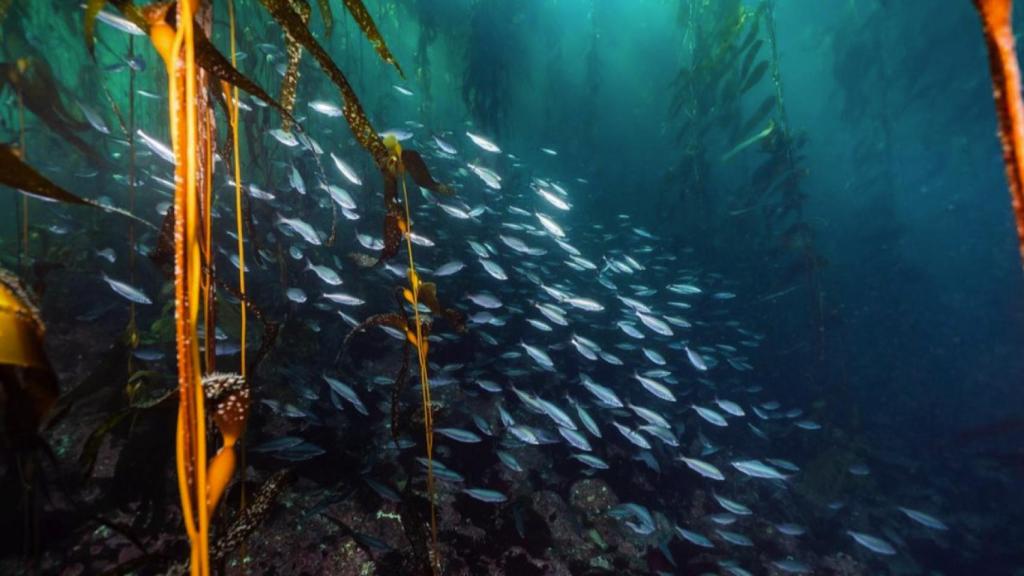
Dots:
pixel 211 60
pixel 252 516
pixel 362 17
pixel 291 75
pixel 40 92
pixel 428 296
pixel 748 60
pixel 363 260
pixel 246 523
pixel 755 76
pixel 90 451
pixel 417 168
pixel 396 392
pixel 17 174
pixel 353 111
pixel 997 26
pixel 392 319
pixel 163 253
pixel 762 111
pixel 393 224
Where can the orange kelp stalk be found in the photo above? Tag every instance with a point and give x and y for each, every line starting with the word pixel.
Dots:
pixel 190 127
pixel 997 24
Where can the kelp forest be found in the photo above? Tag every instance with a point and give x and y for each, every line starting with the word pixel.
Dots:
pixel 509 287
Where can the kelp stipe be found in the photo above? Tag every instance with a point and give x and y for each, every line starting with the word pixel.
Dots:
pixel 997 25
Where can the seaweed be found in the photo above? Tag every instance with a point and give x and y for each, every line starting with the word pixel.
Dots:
pixel 362 17
pixel 997 26
pixel 353 111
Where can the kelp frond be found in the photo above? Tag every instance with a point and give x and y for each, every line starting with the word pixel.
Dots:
pixel 17 174
pixel 353 111
pixel 294 51
pixel 362 17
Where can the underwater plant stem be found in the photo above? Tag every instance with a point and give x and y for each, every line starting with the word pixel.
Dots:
pixel 179 58
pixel 132 335
pixel 23 253
pixel 185 22
pixel 997 25
pixel 421 354
pixel 239 229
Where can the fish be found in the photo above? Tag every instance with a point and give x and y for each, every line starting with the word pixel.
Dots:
pixel 539 356
pixel 449 268
pixel 509 461
pixel 592 461
pixel 296 295
pixel 553 199
pixel 341 197
pixel 575 439
pixel 923 519
pixel 603 394
pixel 401 90
pixel 163 151
pixel 550 225
pixel 757 469
pixel 325 274
pixel 485 300
pixel 586 304
pixel 120 23
pixel 301 228
pixel 791 529
pixel 710 416
pixel 694 538
pixel 489 177
pixel 494 269
pixel 346 171
pixel 444 146
pixel 128 291
pixel 344 299
pixel 657 325
pixel 459 435
pixel 485 495
pixel 484 143
pixel 637 518
pixel 703 468
pixel 328 109
pixel 730 407
pixel 633 436
pixel 872 543
pixel 734 538
pixel 346 392
pixel 732 505
pixel 696 360
pixel 286 138
pixel 656 388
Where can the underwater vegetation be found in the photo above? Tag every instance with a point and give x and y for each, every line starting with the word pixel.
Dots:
pixel 501 287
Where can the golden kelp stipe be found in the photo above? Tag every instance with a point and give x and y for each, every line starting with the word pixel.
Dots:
pixel 997 25
pixel 186 109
